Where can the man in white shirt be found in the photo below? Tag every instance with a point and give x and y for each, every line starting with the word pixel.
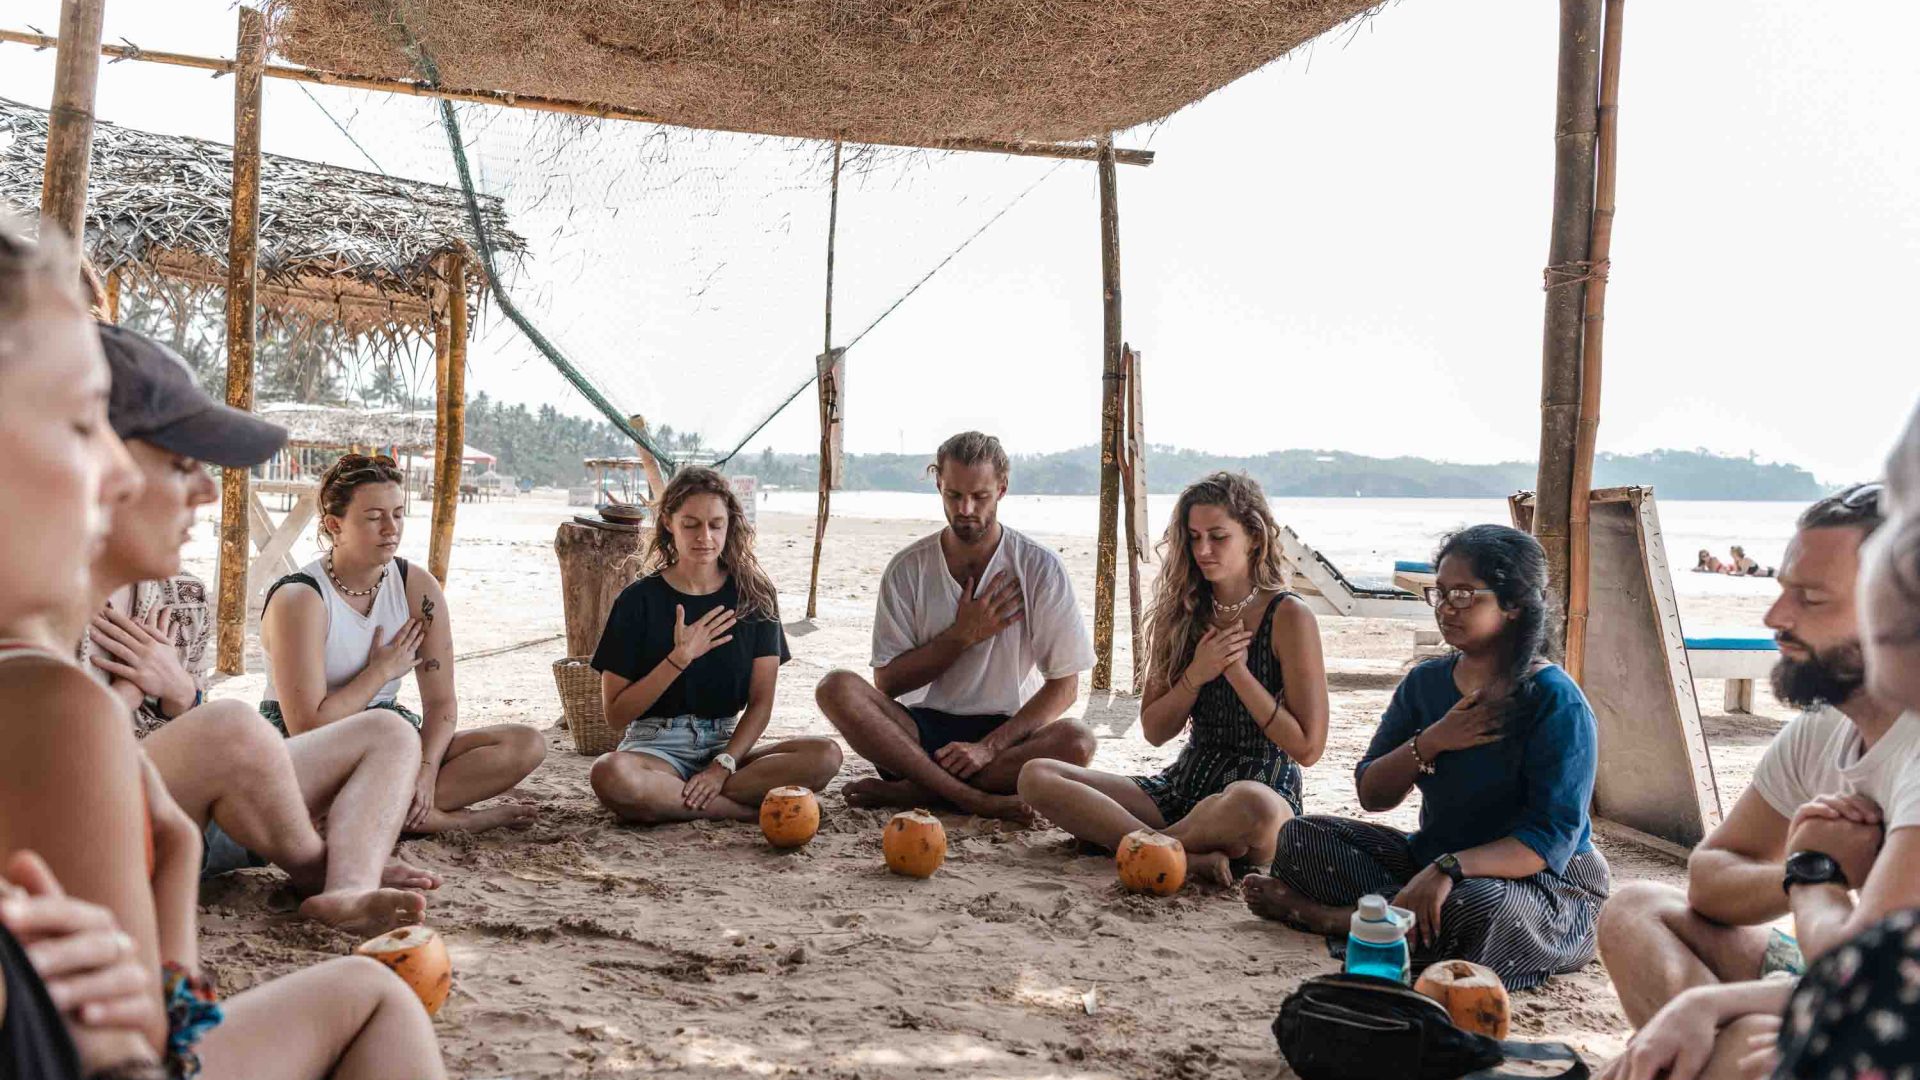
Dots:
pixel 978 646
pixel 1840 779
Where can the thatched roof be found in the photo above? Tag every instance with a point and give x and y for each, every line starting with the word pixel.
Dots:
pixel 322 427
pixel 908 71
pixel 336 245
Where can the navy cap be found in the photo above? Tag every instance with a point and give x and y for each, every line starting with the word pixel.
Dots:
pixel 155 399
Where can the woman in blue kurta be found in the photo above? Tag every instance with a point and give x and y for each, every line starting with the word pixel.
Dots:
pixel 1501 744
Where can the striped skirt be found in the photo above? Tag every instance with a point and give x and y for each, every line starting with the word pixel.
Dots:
pixel 1526 930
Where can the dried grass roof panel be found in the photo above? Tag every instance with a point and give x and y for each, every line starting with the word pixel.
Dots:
pixel 324 427
pixel 336 244
pixel 912 71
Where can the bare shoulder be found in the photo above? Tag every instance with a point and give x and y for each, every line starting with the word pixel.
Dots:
pixel 292 604
pixel 52 697
pixel 424 594
pixel 1292 614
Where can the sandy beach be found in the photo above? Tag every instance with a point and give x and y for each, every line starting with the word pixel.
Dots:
pixel 584 948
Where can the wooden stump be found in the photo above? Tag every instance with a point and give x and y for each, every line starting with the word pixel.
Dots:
pixel 596 563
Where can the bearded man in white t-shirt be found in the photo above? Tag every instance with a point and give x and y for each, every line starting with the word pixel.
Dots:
pixel 1829 815
pixel 978 646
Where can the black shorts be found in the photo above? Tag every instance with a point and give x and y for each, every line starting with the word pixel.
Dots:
pixel 937 729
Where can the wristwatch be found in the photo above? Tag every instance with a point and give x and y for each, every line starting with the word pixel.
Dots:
pixel 1449 864
pixel 725 761
pixel 1813 868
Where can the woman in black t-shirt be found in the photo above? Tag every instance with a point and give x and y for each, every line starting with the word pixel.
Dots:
pixel 688 661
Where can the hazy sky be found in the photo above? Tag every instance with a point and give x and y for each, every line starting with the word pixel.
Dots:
pixel 1344 250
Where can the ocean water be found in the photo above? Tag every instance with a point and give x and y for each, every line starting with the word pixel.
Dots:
pixel 1364 537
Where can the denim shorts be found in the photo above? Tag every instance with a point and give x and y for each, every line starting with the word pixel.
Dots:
pixel 688 743
pixel 222 854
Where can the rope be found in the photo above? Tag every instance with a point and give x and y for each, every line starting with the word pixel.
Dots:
pixel 1577 272
pixel 457 144
pixel 891 308
pixel 342 128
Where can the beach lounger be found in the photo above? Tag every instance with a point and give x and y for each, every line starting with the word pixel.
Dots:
pixel 1329 592
pixel 1413 576
pixel 1737 656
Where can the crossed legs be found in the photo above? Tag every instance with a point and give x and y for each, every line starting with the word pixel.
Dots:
pixel 1655 945
pixel 1241 821
pixel 882 731
pixel 481 763
pixel 644 789
pixel 222 763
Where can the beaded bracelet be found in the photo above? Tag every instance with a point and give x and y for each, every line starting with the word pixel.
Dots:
pixel 192 1011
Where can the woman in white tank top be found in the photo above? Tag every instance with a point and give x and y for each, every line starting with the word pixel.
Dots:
pixel 342 634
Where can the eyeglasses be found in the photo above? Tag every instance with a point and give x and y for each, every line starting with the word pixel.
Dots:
pixel 1457 599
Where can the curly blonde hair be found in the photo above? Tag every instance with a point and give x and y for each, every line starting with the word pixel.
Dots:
pixel 1182 598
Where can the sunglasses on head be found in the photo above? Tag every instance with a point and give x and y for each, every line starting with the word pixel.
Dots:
pixel 1458 599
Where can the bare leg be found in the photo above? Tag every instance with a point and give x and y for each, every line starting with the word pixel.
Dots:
pixel 359 773
pixel 811 763
pixel 1729 1046
pixel 1098 807
pixel 346 1019
pixel 1068 741
pixel 883 732
pixel 646 790
pixel 1241 822
pixel 480 764
pixel 1654 946
pixel 221 761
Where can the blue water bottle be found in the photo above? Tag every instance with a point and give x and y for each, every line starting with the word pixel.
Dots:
pixel 1377 940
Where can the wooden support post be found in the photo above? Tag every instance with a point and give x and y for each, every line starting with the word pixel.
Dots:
pixel 1599 254
pixel 650 465
pixel 1133 491
pixel 828 402
pixel 63 191
pixel 113 295
pixel 446 480
pixel 243 276
pixel 1576 105
pixel 1110 398
pixel 442 341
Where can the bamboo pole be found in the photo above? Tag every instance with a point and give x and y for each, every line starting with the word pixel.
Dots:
pixel 243 277
pixel 446 487
pixel 828 404
pixel 1576 106
pixel 542 103
pixel 442 343
pixel 1133 490
pixel 1110 390
pixel 1599 252
pixel 63 192
pixel 649 465
pixel 113 296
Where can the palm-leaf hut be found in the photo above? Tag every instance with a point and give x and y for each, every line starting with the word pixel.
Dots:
pixel 377 258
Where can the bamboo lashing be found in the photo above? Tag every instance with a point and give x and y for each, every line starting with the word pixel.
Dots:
pixel 1599 255
pixel 828 403
pixel 1110 396
pixel 243 277
pixel 539 103
pixel 63 191
pixel 1576 104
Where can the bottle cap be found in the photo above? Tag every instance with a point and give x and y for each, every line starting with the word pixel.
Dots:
pixel 1376 923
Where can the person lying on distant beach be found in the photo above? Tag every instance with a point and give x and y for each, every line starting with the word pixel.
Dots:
pixel 1707 564
pixel 74 787
pixel 978 647
pixel 1742 566
pixel 688 663
pixel 254 795
pixel 1503 747
pixel 1232 657
pixel 342 632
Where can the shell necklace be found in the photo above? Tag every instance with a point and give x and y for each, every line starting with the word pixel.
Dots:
pixel 1232 611
pixel 342 586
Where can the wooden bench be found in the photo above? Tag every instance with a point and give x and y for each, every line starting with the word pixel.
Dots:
pixel 1737 656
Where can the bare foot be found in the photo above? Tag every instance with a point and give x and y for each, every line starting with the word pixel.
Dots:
pixel 366 912
pixel 875 793
pixel 401 874
pixel 470 820
pixel 1210 868
pixel 1269 899
pixel 1007 807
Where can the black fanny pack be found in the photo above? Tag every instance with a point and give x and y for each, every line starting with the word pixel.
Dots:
pixel 1357 1027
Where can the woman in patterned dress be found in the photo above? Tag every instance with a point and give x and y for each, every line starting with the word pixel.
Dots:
pixel 1234 659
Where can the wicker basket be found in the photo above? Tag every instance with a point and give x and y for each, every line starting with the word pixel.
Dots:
pixel 587 725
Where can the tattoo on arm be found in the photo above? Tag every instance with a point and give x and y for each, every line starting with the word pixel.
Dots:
pixel 431 665
pixel 426 608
